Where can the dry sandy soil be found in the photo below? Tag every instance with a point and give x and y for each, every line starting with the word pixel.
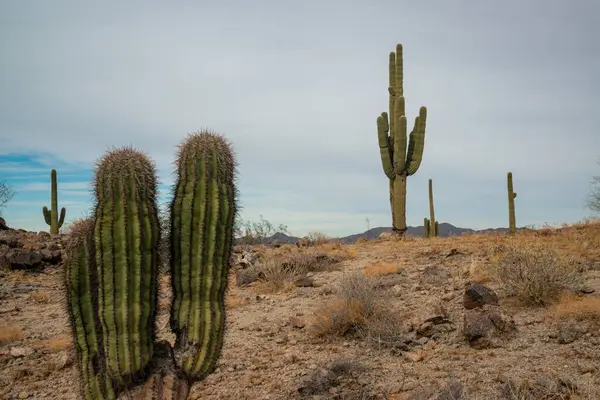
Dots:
pixel 302 340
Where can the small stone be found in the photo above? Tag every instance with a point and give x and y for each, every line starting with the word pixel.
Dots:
pixel 23 395
pixel 21 351
pixel 477 295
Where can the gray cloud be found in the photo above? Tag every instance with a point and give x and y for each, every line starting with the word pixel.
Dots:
pixel 297 86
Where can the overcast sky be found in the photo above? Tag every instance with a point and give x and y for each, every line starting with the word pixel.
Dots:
pixel 297 87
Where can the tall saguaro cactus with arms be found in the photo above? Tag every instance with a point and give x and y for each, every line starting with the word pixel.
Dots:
pixel 51 216
pixel 112 273
pixel 400 156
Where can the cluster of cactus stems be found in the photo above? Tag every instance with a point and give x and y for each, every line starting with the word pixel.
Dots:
pixel 112 273
pixel 512 221
pixel 431 230
pixel 51 216
pixel 400 156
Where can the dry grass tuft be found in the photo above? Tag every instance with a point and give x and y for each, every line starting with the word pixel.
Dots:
pixel 57 343
pixel 534 273
pixel 358 309
pixel 381 269
pixel 355 304
pixel 279 271
pixel 578 308
pixel 41 297
pixel 11 334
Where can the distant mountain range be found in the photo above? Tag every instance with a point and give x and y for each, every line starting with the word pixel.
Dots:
pixel 445 230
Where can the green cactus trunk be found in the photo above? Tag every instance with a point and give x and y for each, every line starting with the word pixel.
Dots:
pixel 400 156
pixel 436 229
pixel 202 215
pixel 127 235
pixel 51 216
pixel 427 228
pixel 82 306
pixel 512 224
pixel 432 221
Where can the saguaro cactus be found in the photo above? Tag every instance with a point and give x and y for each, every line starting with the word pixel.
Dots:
pixel 112 273
pixel 51 216
pixel 400 157
pixel 426 227
pixel 512 224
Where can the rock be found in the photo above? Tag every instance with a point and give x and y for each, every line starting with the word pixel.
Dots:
pixel 62 360
pixel 453 252
pixel 3 226
pixel 434 274
pixel 20 351
pixel 477 295
pixel 484 327
pixel 386 235
pixel 570 331
pixel 23 259
pixel 297 323
pixel 453 391
pixel 304 281
pixel 11 239
pixel 246 277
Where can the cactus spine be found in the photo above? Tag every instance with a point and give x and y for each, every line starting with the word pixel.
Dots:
pixel 400 157
pixel 432 221
pixel 111 276
pixel 202 215
pixel 51 216
pixel 512 224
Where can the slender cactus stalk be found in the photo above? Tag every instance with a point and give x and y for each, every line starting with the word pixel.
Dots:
pixel 512 224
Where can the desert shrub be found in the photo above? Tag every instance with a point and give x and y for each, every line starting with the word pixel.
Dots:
pixel 356 305
pixel 279 269
pixel 317 238
pixel 534 273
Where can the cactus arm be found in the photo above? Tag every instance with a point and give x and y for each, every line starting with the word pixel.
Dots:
pixel 203 211
pixel 416 143
pixel 46 213
pixel 437 228
pixel 385 147
pixel 61 220
pixel 400 141
pixel 427 227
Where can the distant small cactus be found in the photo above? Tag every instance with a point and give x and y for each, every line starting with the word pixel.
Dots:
pixel 51 216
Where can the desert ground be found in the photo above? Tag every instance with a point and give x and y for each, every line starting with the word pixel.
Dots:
pixel 470 317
